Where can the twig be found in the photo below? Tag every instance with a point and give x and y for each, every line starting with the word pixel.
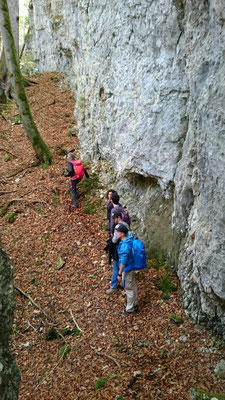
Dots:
pixel 42 311
pixel 33 302
pixel 7 151
pixel 4 208
pixel 75 322
pixel 30 200
pixel 107 356
pixel 10 191
pixel 46 105
pixel 55 366
pixel 22 169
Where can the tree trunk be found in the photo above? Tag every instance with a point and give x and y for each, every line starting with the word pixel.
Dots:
pixel 14 17
pixel 39 146
pixel 9 373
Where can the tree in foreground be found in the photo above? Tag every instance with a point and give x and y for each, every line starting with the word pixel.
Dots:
pixel 9 372
pixel 39 146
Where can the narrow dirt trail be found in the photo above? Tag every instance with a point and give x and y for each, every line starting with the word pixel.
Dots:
pixel 145 356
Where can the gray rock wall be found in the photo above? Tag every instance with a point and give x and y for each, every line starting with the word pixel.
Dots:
pixel 148 79
pixel 9 373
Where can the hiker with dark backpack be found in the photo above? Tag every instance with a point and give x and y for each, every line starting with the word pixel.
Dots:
pixel 117 207
pixel 76 172
pixel 111 248
pixel 132 257
pixel 110 206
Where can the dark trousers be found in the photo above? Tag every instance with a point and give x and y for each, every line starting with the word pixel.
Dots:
pixel 73 191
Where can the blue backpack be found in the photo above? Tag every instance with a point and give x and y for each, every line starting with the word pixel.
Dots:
pixel 140 260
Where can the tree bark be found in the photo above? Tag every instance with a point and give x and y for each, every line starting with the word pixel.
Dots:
pixel 14 17
pixel 9 373
pixel 39 146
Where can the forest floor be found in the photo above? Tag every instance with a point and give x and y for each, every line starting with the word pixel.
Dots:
pixel 144 356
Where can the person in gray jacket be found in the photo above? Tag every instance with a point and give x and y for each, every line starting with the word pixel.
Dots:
pixel 117 219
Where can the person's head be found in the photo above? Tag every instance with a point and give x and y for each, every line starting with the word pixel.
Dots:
pixel 121 232
pixel 71 156
pixel 115 198
pixel 109 194
pixel 116 216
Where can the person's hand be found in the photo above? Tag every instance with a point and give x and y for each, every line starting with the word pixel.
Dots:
pixel 119 278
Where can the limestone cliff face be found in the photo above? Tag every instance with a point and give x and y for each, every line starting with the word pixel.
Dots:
pixel 148 78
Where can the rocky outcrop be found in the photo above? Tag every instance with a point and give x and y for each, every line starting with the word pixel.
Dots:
pixel 9 373
pixel 148 79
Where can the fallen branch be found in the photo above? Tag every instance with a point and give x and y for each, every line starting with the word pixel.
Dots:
pixel 46 105
pixel 7 151
pixel 10 191
pixel 33 302
pixel 75 322
pixel 22 169
pixel 107 356
pixel 42 311
pixel 5 207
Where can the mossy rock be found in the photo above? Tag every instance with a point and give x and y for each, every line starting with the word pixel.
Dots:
pixel 199 394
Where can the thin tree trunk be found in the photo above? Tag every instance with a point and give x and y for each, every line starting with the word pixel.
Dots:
pixel 14 17
pixel 39 146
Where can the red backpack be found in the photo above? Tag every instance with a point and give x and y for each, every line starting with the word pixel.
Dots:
pixel 78 169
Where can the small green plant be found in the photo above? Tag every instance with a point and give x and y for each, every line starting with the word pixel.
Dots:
pixel 7 158
pixel 39 210
pixel 64 350
pixel 43 372
pixel 89 207
pixel 68 332
pixel 176 319
pixel 89 184
pixel 140 277
pixel 11 217
pixel 3 137
pixel 166 286
pixel 103 227
pixel 51 334
pixel 54 79
pixel 55 198
pixel 34 281
pixel 93 276
pixel 100 383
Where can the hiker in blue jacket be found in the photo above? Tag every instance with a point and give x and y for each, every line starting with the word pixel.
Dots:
pixel 126 269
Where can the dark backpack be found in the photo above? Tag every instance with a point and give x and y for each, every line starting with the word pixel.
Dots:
pixel 125 217
pixel 140 260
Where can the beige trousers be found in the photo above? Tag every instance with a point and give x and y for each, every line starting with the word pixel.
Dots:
pixel 130 288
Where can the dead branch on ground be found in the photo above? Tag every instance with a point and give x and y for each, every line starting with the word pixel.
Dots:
pixel 8 152
pixel 33 302
pixel 107 356
pixel 22 169
pixel 5 206
pixel 75 322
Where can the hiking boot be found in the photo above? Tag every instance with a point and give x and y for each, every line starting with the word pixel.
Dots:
pixel 111 290
pixel 135 309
